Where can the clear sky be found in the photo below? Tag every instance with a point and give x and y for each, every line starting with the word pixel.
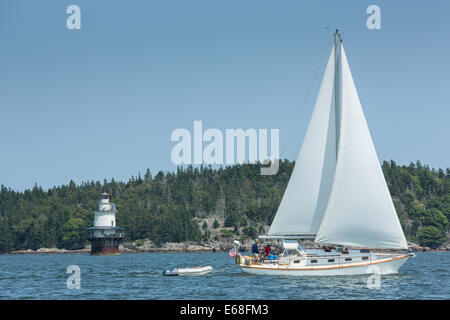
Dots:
pixel 102 101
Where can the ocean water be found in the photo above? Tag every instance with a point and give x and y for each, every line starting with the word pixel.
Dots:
pixel 139 276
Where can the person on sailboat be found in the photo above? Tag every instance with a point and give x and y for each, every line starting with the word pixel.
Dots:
pixel 255 248
pixel 272 256
pixel 267 250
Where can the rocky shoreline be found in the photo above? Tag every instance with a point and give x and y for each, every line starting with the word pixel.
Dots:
pixel 147 246
pixel 211 246
pixel 417 248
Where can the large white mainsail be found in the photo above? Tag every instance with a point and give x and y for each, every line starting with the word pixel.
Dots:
pixel 306 196
pixel 360 211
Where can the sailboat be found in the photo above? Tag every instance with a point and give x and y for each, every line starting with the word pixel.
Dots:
pixel 337 195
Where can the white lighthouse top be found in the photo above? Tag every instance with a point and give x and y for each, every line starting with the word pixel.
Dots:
pixel 104 204
pixel 106 214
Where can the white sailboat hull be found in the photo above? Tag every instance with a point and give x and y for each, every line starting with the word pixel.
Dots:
pixel 382 266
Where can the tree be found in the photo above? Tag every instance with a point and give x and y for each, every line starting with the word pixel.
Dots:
pixel 251 232
pixel 434 217
pixel 6 241
pixel 74 230
pixel 148 176
pixel 432 237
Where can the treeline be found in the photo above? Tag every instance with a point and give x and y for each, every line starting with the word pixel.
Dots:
pixel 170 206
pixel 422 199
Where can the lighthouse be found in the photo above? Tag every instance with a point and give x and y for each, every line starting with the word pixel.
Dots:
pixel 105 236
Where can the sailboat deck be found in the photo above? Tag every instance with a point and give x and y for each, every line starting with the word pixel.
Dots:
pixel 319 258
pixel 328 262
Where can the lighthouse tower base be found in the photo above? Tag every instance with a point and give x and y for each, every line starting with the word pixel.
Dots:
pixel 105 246
pixel 105 240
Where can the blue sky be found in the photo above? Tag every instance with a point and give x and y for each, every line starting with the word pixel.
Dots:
pixel 102 101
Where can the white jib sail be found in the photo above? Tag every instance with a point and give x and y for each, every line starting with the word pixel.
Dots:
pixel 304 201
pixel 360 211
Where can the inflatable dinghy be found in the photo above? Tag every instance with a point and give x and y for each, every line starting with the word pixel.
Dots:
pixel 197 271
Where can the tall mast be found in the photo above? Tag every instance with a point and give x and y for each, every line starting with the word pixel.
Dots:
pixel 337 54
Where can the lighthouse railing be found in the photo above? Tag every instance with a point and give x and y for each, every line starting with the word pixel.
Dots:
pixel 105 232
